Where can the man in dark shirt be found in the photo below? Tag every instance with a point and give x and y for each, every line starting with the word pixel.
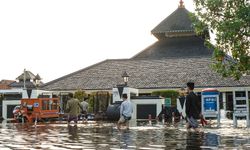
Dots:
pixel 166 111
pixel 192 108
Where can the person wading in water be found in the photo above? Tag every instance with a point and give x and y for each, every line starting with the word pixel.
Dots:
pixel 192 108
pixel 126 111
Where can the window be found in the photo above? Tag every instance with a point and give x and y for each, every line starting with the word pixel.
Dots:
pixel 44 104
pixel 54 105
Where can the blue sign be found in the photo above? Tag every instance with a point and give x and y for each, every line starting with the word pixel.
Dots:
pixel 36 104
pixel 210 104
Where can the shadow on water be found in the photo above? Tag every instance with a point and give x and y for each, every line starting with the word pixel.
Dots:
pixel 73 132
pixel 104 135
pixel 194 140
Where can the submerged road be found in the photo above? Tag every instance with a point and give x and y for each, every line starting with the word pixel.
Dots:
pixel 104 135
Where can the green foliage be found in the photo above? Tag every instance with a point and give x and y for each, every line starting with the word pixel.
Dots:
pixel 229 20
pixel 91 99
pixel 80 94
pixel 168 94
pixel 98 101
pixel 103 98
pixel 1 97
pixel 201 29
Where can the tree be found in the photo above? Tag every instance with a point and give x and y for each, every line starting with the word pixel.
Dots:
pixel 168 94
pixel 80 94
pixel 229 20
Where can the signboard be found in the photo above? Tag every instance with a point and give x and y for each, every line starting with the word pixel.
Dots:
pixel 36 104
pixel 168 102
pixel 210 104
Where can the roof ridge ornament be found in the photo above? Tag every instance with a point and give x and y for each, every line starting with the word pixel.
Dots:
pixel 181 4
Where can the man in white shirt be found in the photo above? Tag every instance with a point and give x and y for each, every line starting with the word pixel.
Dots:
pixel 126 111
pixel 84 105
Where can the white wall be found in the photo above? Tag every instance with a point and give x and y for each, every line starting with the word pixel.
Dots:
pixel 158 103
pixel 6 103
pixel 181 110
pixel 126 90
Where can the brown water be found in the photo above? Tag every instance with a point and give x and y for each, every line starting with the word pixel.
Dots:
pixel 104 136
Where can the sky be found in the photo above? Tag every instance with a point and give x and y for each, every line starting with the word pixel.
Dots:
pixel 54 38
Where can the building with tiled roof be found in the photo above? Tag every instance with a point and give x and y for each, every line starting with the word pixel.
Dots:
pixel 176 24
pixel 26 80
pixel 145 74
pixel 177 57
pixel 12 92
pixel 4 84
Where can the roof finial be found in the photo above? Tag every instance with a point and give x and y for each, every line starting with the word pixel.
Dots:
pixel 181 4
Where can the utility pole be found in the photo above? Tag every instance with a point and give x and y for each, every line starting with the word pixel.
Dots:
pixel 24 79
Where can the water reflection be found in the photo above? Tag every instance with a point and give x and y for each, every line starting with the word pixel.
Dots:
pixel 103 135
pixel 126 139
pixel 72 132
pixel 211 140
pixel 194 140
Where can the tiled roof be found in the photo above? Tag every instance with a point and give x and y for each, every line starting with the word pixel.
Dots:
pixel 144 74
pixel 178 21
pixel 178 57
pixel 20 84
pixel 191 46
pixel 7 82
pixel 28 76
pixel 29 80
pixel 4 84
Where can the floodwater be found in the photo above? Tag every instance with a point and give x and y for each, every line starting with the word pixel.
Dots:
pixel 104 135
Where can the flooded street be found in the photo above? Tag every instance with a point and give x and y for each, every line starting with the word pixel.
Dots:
pixel 101 135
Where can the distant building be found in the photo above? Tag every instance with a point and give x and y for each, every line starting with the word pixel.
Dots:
pixel 13 91
pixel 177 57
pixel 26 80
pixel 5 84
